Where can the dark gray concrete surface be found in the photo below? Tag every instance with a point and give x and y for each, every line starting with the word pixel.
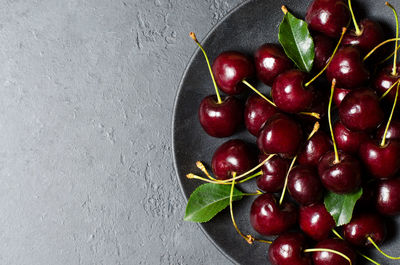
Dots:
pixel 87 90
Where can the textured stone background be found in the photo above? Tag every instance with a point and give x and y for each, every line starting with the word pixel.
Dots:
pixel 87 89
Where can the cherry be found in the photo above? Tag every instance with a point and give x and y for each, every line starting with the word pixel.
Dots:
pixel 289 93
pixel 280 135
pixel 392 133
pixel 314 149
pixel 287 249
pixel 323 47
pixel 230 69
pixel 360 110
pixel 388 199
pixel 273 173
pixel 370 35
pixel 347 68
pixel 257 111
pixel 232 156
pixel 385 79
pixel 328 258
pixel 304 185
pixel 270 61
pixel 327 16
pixel 363 226
pixel 220 119
pixel 339 95
pixel 315 221
pixel 269 218
pixel 348 141
pixel 341 176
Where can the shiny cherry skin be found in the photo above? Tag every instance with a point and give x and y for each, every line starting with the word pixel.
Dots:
pixel 304 185
pixel 363 226
pixel 280 135
pixel 382 162
pixel 269 218
pixel 230 69
pixel 360 110
pixel 288 249
pixel 273 173
pixel 339 94
pixel 221 120
pixel 314 149
pixel 232 156
pixel 316 222
pixel 270 60
pixel 328 16
pixel 289 93
pixel 384 80
pixel 371 35
pixel 256 112
pixel 347 140
pixel 328 258
pixel 387 197
pixel 393 132
pixel 347 68
pixel 323 47
pixel 342 177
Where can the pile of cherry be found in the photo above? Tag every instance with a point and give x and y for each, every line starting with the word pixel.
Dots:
pixel 361 149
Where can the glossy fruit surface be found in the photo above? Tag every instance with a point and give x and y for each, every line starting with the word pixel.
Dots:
pixel 304 185
pixel 314 149
pixel 220 120
pixel 388 199
pixel 323 47
pixel 384 80
pixel 288 249
pixel 256 112
pixel 269 218
pixel 316 222
pixel 347 140
pixel 393 132
pixel 273 173
pixel 232 156
pixel 363 226
pixel 339 95
pixel 328 258
pixel 371 35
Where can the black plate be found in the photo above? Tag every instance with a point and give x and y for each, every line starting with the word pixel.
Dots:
pixel 245 28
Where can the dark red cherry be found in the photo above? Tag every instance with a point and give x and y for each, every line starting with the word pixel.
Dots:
pixel 381 161
pixel 230 69
pixel 360 110
pixel 346 140
pixel 347 68
pixel 363 226
pixel 341 177
pixel 256 112
pixel 323 47
pixel 273 173
pixel 220 119
pixel 388 199
pixel 371 35
pixel 270 60
pixel 329 258
pixel 280 135
pixel 384 80
pixel 393 132
pixel 232 156
pixel 289 94
pixel 268 218
pixel 314 149
pixel 328 16
pixel 304 185
pixel 288 249
pixel 339 94
pixel 316 222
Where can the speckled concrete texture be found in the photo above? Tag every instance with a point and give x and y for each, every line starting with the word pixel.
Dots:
pixel 86 171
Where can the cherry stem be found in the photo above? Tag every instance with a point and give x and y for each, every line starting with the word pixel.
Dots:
pixel 378 46
pixel 390 56
pixel 328 250
pixel 193 36
pixel 312 114
pixel 358 31
pixel 330 59
pixel 286 180
pixel 203 169
pixel 258 92
pixel 390 89
pixel 249 238
pixel 383 253
pixel 391 115
pixel 253 194
pixel 394 70
pixel 284 9
pixel 330 122
pixel 337 234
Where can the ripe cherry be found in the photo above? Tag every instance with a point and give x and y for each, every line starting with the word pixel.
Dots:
pixel 328 258
pixel 339 95
pixel 323 47
pixel 347 140
pixel 257 111
pixel 370 35
pixel 388 199
pixel 363 226
pixel 385 79
pixel 288 249
pixel 314 149
pixel 393 132
pixel 304 185
pixel 273 173
pixel 315 221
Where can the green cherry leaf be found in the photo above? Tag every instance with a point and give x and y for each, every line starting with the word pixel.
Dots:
pixel 297 42
pixel 208 200
pixel 341 206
